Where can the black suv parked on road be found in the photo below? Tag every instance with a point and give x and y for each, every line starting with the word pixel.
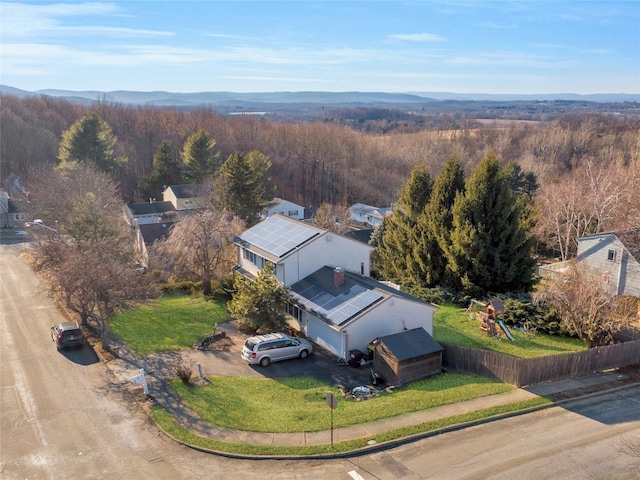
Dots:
pixel 67 334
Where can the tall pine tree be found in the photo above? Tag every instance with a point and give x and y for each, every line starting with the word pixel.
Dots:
pixel 439 219
pixel 89 140
pixel 200 160
pixel 401 253
pixel 242 186
pixel 167 170
pixel 490 245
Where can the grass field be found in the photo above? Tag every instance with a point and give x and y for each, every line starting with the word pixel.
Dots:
pixel 299 404
pixel 454 325
pixel 169 323
pixel 168 424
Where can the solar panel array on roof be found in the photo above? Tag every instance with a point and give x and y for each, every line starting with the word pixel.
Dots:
pixel 353 306
pixel 278 236
pixel 339 308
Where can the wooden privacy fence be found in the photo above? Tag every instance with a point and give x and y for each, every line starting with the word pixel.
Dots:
pixel 529 371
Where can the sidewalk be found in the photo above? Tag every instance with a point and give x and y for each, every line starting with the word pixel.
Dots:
pixel 127 364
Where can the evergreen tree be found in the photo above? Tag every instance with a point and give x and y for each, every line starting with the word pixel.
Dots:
pixel 242 186
pixel 167 170
pixel 491 248
pixel 439 217
pixel 524 186
pixel 401 252
pixel 89 140
pixel 260 305
pixel 200 161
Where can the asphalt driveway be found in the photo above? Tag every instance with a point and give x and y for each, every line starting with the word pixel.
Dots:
pixel 223 358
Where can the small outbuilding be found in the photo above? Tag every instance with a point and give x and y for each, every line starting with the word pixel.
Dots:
pixel 407 356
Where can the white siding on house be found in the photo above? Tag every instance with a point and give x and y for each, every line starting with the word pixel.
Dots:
pixel 330 250
pixel 393 315
pixel 325 249
pixel 607 255
pixel 327 337
pixel 286 208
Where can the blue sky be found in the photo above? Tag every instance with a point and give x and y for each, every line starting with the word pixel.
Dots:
pixel 495 46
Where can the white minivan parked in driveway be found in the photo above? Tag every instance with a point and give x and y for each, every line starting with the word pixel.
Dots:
pixel 273 347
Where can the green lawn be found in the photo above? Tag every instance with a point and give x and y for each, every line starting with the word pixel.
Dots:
pixel 299 404
pixel 454 325
pixel 168 424
pixel 169 323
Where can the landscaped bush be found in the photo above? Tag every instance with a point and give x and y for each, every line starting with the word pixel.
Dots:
pixel 534 318
pixel 188 287
pixel 437 295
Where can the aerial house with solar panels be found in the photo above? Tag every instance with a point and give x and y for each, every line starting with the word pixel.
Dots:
pixel 337 305
pixel 298 249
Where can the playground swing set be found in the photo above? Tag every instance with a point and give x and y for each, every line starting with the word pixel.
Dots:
pixel 489 320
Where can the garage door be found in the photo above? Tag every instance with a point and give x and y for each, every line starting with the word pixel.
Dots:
pixel 327 337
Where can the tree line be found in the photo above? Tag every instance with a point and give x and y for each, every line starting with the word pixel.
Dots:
pixel 318 162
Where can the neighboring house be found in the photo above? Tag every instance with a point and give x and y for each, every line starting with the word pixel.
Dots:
pixel 186 199
pixel 147 235
pixel 11 213
pixel 368 215
pixel 616 256
pixel 362 235
pixel 343 311
pixel 149 212
pixel 297 249
pixel 285 207
pixel 404 357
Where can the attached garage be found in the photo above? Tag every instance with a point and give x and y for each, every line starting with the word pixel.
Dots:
pixel 407 356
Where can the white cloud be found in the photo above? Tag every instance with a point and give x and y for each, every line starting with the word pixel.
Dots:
pixel 18 20
pixel 418 37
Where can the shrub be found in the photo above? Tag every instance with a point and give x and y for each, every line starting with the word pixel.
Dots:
pixel 438 295
pixel 537 318
pixel 188 287
pixel 184 370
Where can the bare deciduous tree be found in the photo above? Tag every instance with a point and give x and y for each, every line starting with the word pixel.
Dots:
pixel 585 304
pixel 332 217
pixel 200 246
pixel 89 254
pixel 591 199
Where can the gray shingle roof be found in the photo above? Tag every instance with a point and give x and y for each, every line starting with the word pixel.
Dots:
pixel 155 231
pixel 410 344
pixel 148 208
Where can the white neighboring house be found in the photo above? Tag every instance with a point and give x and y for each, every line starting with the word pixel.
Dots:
pixel 285 207
pixel 343 311
pixel 186 199
pixel 12 213
pixel 616 256
pixel 368 215
pixel 148 212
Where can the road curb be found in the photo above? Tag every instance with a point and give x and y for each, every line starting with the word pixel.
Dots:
pixel 378 447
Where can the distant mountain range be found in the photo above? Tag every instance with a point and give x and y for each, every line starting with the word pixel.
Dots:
pixel 230 100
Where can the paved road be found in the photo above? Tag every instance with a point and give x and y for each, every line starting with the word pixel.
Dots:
pixel 63 417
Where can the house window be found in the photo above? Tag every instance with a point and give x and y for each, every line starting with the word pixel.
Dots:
pixel 19 216
pixel 294 311
pixel 257 260
pixel 293 213
pixel 249 256
pixel 611 255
